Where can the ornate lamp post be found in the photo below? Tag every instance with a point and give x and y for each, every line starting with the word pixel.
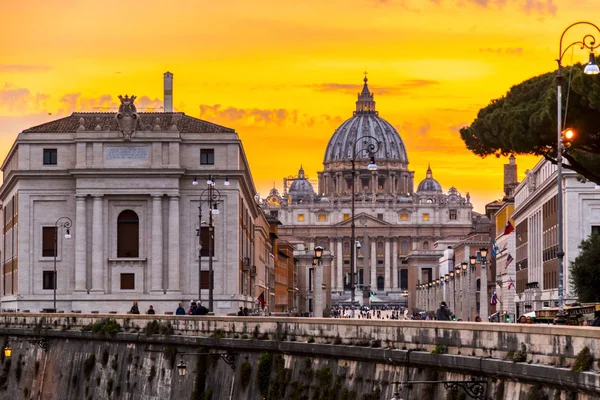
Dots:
pixel 483 290
pixel 62 222
pixel 591 68
pixel 370 145
pixel 211 196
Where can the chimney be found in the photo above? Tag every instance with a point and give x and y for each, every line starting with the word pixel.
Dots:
pixel 168 95
pixel 510 177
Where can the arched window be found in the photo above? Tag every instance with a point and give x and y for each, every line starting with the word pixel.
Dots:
pixel 404 247
pixel 380 283
pixel 425 245
pixel 128 235
pixel 346 248
pixel 478 284
pixel 380 249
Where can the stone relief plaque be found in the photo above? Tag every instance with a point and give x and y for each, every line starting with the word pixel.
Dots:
pixel 137 153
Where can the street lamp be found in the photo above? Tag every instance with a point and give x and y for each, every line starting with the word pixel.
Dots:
pixel 211 196
pixel 62 222
pixel 181 368
pixel 453 290
pixel 370 145
pixel 591 68
pixel 483 292
pixel 7 351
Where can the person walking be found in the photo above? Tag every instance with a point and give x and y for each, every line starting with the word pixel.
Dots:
pixel 134 308
pixel 180 310
pixel 442 313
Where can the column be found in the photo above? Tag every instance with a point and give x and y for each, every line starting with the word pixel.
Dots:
pixel 395 273
pixel 386 263
pixel 156 270
pixel 318 303
pixel 340 265
pixel 80 245
pixel 483 294
pixel 373 259
pixel 174 243
pixel 97 245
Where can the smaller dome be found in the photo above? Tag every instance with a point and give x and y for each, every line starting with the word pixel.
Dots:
pixel 429 184
pixel 301 188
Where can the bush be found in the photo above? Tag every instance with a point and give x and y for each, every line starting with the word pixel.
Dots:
pixel 439 349
pixel 584 360
pixel 104 326
pixel 245 374
pixel 521 355
pixel 88 365
pixel 263 373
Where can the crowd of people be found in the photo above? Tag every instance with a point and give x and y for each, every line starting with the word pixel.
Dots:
pixel 195 308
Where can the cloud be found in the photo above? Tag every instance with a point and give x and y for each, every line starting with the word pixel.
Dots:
pixel 23 68
pixel 21 100
pixel 400 88
pixel 542 7
pixel 262 117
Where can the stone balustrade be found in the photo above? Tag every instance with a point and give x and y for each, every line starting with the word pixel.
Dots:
pixel 544 344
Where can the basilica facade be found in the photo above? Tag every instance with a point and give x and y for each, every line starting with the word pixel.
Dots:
pixel 401 230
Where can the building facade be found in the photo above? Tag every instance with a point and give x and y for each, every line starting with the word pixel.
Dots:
pixel 396 226
pixel 536 227
pixel 125 183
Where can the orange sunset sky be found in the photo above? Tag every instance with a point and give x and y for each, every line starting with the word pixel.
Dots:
pixel 285 73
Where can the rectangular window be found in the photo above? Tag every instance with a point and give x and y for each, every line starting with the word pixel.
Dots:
pixel 346 217
pixel 127 281
pixel 48 280
pixel 404 217
pixel 310 278
pixel 453 215
pixel 596 229
pixel 380 216
pixel 404 279
pixel 48 233
pixel 274 214
pixel 204 280
pixel 380 262
pixel 50 157
pixel 322 217
pixel 204 238
pixel 300 217
pixel 207 157
pixel 425 217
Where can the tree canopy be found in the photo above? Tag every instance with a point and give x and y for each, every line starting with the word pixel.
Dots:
pixel 524 121
pixel 585 270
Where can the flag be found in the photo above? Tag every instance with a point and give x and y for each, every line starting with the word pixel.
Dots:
pixel 511 284
pixel 494 299
pixel 509 259
pixel 495 248
pixel 508 228
pixel 261 300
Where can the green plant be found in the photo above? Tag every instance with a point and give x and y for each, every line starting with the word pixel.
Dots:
pixel 521 355
pixel 337 339
pixel 584 360
pixel 109 386
pixel 218 334
pixel 376 343
pixel 88 365
pixel 439 349
pixel 245 374
pixel 244 336
pixel 152 328
pixel 256 332
pixel 311 339
pixel 170 353
pixel 561 360
pixel 263 373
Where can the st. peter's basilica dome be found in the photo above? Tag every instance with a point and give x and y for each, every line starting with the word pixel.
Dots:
pixel 429 184
pixel 366 122
pixel 301 188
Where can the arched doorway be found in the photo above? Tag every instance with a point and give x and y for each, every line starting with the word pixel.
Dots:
pixel 380 283
pixel 128 235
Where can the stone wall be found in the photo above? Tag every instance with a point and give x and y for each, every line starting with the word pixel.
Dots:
pixel 136 364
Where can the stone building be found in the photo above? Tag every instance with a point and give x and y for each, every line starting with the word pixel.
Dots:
pixel 536 227
pixel 124 181
pixel 397 227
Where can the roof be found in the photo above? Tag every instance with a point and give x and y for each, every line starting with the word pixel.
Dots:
pixel 106 121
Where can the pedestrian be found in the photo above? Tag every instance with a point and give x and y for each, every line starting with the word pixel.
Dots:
pixel 192 308
pixel 442 313
pixel 241 312
pixel 200 310
pixel 134 308
pixel 246 312
pixel 180 310
pixel 150 311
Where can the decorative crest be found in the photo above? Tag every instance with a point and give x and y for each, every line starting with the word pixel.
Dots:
pixel 127 116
